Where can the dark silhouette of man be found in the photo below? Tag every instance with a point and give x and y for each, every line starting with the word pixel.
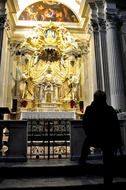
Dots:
pixel 102 130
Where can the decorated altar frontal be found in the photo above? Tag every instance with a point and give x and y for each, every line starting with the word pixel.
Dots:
pixel 25 115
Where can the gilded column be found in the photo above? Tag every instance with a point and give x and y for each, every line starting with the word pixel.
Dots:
pixel 115 63
pixel 2 22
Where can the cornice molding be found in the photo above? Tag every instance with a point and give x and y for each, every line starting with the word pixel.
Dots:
pixel 2 7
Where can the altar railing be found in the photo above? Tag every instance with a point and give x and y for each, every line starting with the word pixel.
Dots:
pixel 48 139
pixel 44 139
pixel 13 140
pixel 78 136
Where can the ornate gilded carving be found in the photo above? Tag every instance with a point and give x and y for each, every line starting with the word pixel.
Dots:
pixel 7 25
pixel 48 66
pixel 48 11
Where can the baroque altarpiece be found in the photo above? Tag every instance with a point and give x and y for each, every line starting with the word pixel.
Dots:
pixel 48 64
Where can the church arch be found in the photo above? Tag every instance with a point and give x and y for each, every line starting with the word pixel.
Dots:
pixel 45 11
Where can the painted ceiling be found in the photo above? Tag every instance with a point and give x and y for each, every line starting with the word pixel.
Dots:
pixel 73 14
pixel 26 14
pixel 46 10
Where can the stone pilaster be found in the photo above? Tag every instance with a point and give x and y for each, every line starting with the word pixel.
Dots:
pixel 115 63
pixel 99 71
pixel 2 22
pixel 97 48
pixel 123 40
pixel 103 41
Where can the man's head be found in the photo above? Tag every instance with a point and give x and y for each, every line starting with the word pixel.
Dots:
pixel 100 96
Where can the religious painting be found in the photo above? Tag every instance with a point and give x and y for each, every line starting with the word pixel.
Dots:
pixel 50 36
pixel 50 33
pixel 45 11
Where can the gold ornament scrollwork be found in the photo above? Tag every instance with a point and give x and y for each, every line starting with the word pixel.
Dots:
pixel 48 66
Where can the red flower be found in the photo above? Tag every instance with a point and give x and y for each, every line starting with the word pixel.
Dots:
pixel 72 103
pixel 24 103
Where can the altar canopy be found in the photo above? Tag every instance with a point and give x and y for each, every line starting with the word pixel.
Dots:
pixel 48 66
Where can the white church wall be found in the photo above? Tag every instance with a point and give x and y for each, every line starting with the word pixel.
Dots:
pixel 4 72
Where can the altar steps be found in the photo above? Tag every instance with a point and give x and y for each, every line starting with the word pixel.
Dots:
pixel 58 174
pixel 81 183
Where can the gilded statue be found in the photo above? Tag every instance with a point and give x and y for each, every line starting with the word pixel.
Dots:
pixel 73 85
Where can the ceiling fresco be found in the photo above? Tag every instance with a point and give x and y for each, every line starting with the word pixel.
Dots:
pixel 45 11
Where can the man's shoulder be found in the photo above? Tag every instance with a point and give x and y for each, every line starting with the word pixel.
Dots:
pixel 111 108
pixel 88 108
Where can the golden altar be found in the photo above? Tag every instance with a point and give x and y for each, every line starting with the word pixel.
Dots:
pixel 48 66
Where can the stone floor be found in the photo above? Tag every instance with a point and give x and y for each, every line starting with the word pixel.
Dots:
pixel 45 180
pixel 57 182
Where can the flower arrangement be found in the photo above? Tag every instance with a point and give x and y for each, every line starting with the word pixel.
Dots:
pixel 24 103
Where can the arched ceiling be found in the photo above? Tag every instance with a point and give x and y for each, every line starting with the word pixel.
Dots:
pixel 46 11
pixel 72 4
pixel 75 13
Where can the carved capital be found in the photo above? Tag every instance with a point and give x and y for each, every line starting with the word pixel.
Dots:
pixel 113 20
pixel 123 17
pixel 14 47
pixel 84 47
pixel 2 20
pixel 95 25
pixel 111 17
pixel 7 25
pixel 102 24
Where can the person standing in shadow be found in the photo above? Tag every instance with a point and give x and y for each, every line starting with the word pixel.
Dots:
pixel 101 126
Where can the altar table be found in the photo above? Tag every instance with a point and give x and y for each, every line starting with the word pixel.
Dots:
pixel 25 115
